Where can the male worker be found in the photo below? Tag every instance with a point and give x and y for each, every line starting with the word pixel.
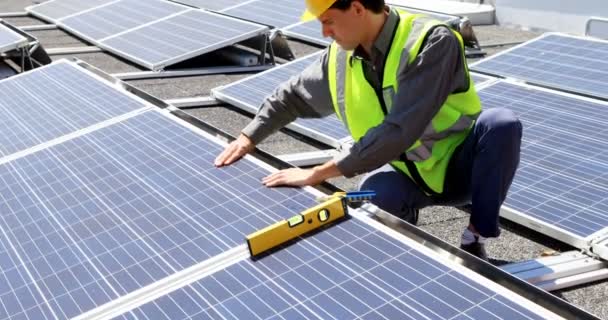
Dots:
pixel 400 84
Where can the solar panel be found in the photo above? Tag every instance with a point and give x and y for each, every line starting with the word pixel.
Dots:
pixel 180 37
pixel 211 4
pixel 10 40
pixel 55 10
pixel 308 31
pixel 348 271
pixel 561 186
pixel 250 92
pixel 118 17
pixel 54 101
pixel 555 60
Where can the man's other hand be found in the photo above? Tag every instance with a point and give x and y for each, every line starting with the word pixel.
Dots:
pixel 235 151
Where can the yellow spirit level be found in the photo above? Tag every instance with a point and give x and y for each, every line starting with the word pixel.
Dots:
pixel 333 208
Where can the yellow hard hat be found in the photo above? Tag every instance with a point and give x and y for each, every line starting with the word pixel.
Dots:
pixel 315 8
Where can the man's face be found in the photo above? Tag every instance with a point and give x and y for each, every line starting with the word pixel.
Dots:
pixel 344 26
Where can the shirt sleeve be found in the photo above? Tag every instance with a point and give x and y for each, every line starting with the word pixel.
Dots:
pixel 306 95
pixel 424 85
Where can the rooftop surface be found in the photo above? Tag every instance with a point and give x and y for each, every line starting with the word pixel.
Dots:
pixel 515 244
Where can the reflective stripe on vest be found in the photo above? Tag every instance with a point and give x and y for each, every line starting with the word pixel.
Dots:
pixel 360 107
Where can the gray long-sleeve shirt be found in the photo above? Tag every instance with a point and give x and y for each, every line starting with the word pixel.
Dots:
pixel 424 85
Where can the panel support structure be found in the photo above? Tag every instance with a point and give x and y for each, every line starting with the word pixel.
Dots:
pixel 559 272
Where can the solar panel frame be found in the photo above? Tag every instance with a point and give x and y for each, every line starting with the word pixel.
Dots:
pixel 306 127
pixel 11 40
pixel 547 226
pixel 38 10
pixel 256 30
pixel 542 77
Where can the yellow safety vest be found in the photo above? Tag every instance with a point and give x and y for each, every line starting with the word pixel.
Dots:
pixel 360 108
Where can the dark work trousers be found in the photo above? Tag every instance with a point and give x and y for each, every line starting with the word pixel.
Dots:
pixel 480 173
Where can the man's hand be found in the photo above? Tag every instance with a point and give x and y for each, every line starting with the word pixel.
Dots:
pixel 235 151
pixel 302 177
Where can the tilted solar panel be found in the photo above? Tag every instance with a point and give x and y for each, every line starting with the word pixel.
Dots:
pixel 561 186
pixel 565 62
pixel 180 37
pixel 250 92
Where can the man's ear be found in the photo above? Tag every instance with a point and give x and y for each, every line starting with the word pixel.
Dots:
pixel 358 8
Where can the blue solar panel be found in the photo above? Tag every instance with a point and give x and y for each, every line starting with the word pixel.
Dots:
pixel 118 17
pixel 111 211
pixel 555 60
pixel 53 101
pixel 180 37
pixel 249 94
pixel 348 271
pixel 309 31
pixel 58 9
pixel 562 179
pixel 273 13
pixel 9 39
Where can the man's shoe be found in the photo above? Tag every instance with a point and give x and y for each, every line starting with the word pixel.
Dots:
pixel 477 249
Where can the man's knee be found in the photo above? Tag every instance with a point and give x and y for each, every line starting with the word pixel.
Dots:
pixel 501 128
pixel 502 121
pixel 393 196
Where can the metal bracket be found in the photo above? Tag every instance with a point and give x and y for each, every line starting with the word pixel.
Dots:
pixel 561 271
pixel 73 50
pixel 39 27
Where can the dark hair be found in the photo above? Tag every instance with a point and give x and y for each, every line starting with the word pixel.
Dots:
pixel 375 6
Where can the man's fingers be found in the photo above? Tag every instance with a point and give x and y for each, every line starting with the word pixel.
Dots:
pixel 227 156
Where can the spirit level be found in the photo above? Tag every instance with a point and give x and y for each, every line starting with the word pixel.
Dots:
pixel 331 209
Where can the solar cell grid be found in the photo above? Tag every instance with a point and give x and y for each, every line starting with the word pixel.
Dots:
pixel 348 271
pixel 562 179
pixel 555 60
